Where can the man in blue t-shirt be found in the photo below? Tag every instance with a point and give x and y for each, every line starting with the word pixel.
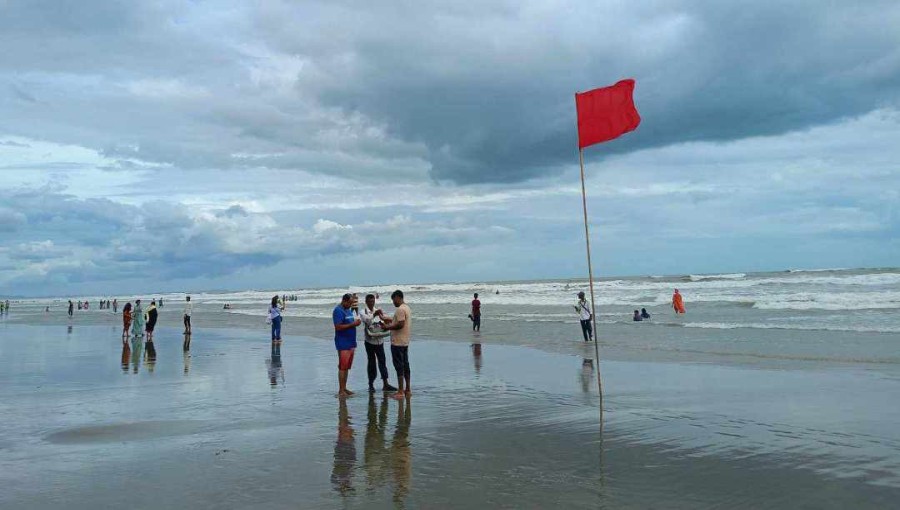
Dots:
pixel 345 323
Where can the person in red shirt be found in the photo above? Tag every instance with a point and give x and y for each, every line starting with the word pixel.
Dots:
pixel 476 314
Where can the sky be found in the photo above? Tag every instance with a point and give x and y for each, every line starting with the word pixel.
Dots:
pixel 197 145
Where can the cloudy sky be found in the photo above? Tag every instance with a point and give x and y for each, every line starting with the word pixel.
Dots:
pixel 188 145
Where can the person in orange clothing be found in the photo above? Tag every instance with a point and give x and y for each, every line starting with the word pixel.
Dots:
pixel 677 302
pixel 126 320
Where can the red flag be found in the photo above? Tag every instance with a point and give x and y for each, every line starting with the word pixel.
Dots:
pixel 606 113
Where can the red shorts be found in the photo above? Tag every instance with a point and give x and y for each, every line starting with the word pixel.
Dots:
pixel 345 359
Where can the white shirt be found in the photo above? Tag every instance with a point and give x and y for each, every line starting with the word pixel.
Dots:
pixel 188 308
pixel 584 309
pixel 369 319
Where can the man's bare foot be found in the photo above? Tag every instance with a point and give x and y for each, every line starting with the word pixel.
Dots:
pixel 348 392
pixel 408 392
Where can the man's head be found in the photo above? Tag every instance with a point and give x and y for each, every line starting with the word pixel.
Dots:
pixel 581 295
pixel 346 300
pixel 153 302
pixel 137 301
pixel 476 295
pixel 370 300
pixel 188 298
pixel 397 297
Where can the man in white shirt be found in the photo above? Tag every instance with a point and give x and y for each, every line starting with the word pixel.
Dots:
pixel 371 318
pixel 586 315
pixel 188 309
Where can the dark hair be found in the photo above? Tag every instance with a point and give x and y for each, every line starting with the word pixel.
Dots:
pixel 476 295
pixel 347 297
pixel 188 298
pixel 127 307
pixel 370 296
pixel 397 293
pixel 152 301
pixel 274 301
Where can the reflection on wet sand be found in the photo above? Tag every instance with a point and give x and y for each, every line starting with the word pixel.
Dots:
pixel 476 356
pixel 344 452
pixel 187 362
pixel 187 342
pixel 137 347
pixel 587 374
pixel 274 367
pixel 126 356
pixel 376 455
pixel 400 452
pixel 150 356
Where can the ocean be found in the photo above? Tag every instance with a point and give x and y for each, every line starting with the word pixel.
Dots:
pixel 819 316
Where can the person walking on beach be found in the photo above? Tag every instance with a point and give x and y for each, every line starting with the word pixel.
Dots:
pixel 476 313
pixel 677 302
pixel 345 323
pixel 115 305
pixel 644 314
pixel 400 326
pixel 274 318
pixel 126 321
pixel 585 315
pixel 137 322
pixel 71 308
pixel 374 343
pixel 188 310
pixel 152 314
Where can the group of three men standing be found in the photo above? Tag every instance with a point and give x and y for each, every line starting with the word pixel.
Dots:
pixel 347 317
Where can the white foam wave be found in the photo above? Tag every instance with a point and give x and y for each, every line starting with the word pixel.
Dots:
pixel 729 276
pixel 728 325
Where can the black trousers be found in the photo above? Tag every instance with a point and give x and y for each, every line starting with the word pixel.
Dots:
pixel 187 322
pixel 400 357
pixel 374 352
pixel 586 330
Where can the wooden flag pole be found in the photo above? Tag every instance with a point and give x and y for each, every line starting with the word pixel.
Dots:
pixel 587 238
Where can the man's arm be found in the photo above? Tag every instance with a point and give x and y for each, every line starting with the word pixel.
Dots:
pixel 394 325
pixel 343 327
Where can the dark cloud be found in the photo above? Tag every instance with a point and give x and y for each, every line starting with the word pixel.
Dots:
pixel 468 94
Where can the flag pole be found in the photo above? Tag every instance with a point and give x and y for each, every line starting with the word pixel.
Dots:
pixel 587 239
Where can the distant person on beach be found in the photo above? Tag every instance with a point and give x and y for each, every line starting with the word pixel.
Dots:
pixel 345 322
pixel 71 308
pixel 274 317
pixel 152 314
pixel 126 320
pixel 374 343
pixel 80 306
pixel 188 310
pixel 400 326
pixel 476 314
pixel 115 305
pixel 585 315
pixel 637 316
pixel 644 314
pixel 677 302
pixel 137 322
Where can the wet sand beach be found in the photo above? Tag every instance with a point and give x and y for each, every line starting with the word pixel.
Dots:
pixel 232 424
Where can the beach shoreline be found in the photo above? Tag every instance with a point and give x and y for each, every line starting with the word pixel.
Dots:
pixel 69 402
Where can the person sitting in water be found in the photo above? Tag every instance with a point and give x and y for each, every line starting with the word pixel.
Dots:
pixel 637 316
pixel 644 314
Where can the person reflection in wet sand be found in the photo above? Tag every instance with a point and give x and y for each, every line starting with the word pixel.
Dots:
pixel 344 453
pixel 126 356
pixel 274 367
pixel 137 345
pixel 400 451
pixel 375 455
pixel 476 355
pixel 186 346
pixel 587 374
pixel 150 356
pixel 187 361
